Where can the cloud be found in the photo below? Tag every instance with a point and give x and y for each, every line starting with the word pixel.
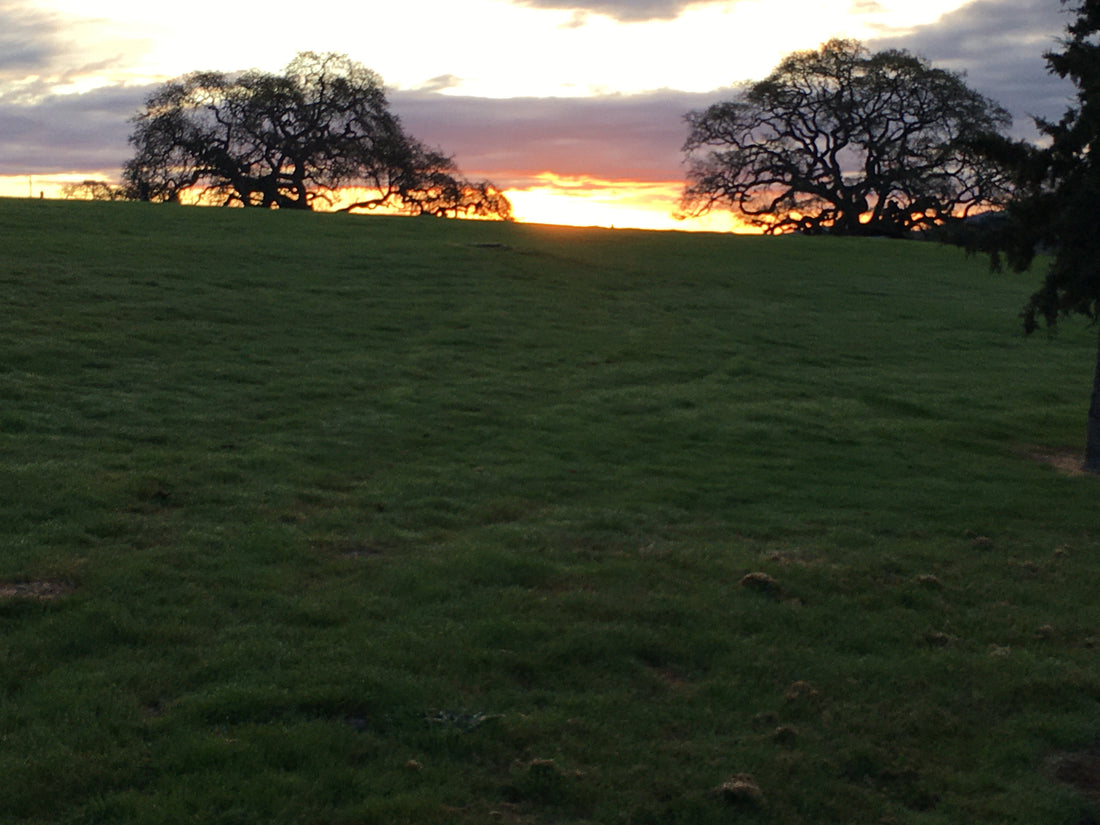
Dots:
pixel 626 11
pixel 69 133
pixel 612 137
pixel 511 140
pixel 440 83
pixel 45 53
pixel 28 39
pixel 999 44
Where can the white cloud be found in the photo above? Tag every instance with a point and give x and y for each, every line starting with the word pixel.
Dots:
pixel 627 11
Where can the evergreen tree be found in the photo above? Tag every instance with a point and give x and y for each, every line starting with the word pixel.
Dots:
pixel 1058 189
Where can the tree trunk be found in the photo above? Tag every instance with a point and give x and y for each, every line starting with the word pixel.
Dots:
pixel 847 222
pixel 1092 442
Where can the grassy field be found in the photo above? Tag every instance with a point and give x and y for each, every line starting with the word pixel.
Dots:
pixel 332 519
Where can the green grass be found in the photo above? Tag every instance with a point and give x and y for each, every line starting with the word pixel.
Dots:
pixel 373 520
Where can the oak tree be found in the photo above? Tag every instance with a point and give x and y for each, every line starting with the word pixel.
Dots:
pixel 846 141
pixel 291 139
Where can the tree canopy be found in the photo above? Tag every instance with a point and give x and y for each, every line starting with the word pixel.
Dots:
pixel 288 140
pixel 1058 187
pixel 847 141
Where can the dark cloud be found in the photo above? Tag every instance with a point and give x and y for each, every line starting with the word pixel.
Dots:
pixel 28 38
pixel 627 11
pixel 999 44
pixel 623 137
pixel 67 133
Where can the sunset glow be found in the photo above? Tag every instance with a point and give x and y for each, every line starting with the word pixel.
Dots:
pixel 614 204
pixel 46 186
pixel 554 200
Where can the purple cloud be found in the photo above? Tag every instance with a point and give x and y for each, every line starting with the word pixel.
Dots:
pixel 621 137
pixel 65 133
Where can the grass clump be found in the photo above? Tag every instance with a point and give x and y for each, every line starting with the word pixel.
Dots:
pixel 318 518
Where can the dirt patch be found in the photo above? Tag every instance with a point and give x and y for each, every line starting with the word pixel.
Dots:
pixel 1081 770
pixel 42 590
pixel 1069 462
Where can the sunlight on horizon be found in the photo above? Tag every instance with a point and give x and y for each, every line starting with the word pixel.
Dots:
pixel 575 201
pixel 552 200
pixel 33 186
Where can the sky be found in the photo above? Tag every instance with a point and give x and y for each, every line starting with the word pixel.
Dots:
pixel 573 107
